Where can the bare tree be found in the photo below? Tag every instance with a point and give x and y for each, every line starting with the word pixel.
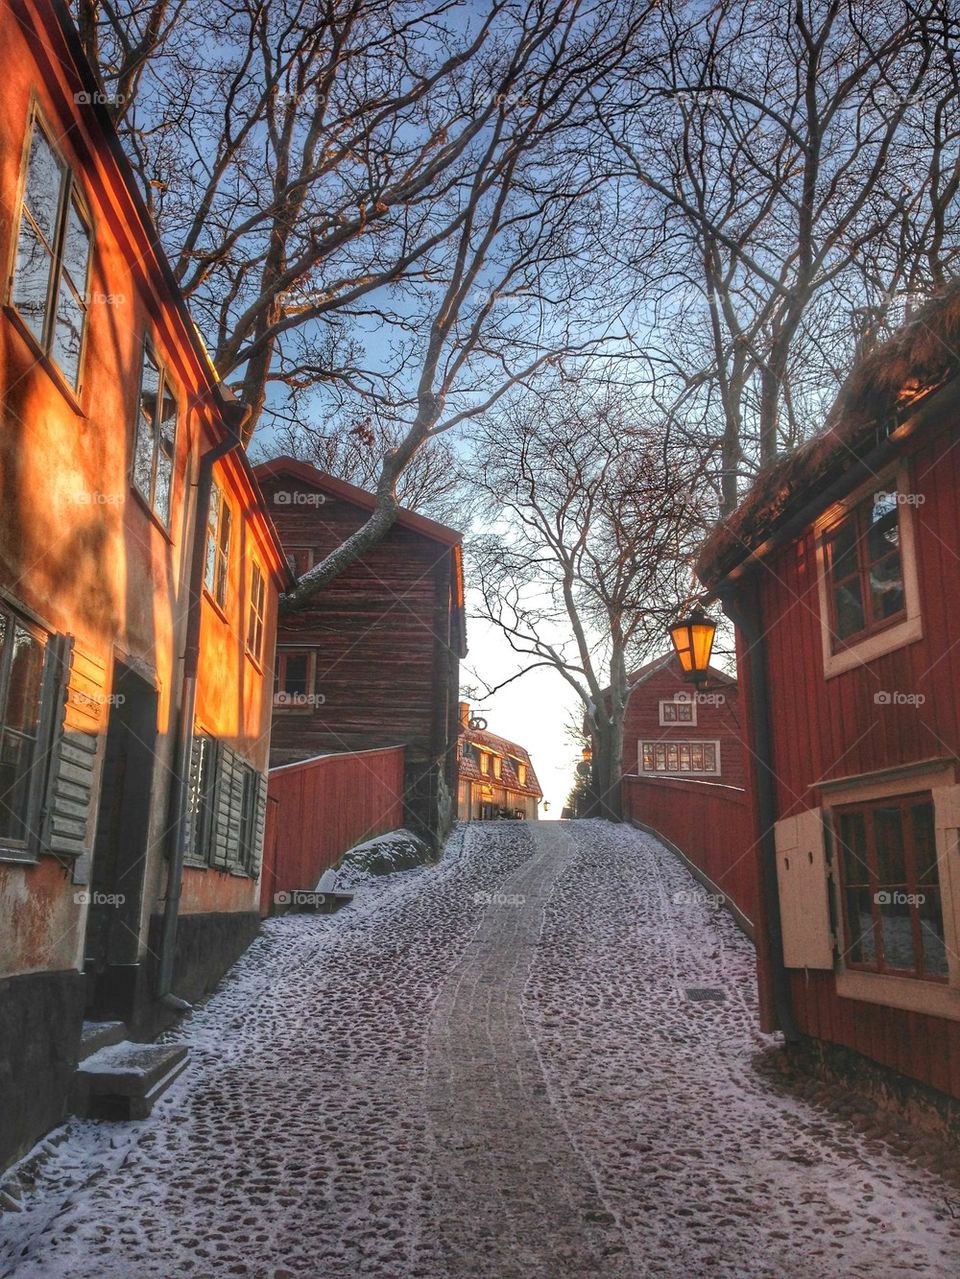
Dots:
pixel 371 198
pixel 584 566
pixel 801 168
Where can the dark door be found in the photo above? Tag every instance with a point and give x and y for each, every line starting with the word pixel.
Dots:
pixel 120 852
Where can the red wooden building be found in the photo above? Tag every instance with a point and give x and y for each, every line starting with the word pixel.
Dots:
pixel 673 730
pixel 374 661
pixel 684 776
pixel 139 580
pixel 841 571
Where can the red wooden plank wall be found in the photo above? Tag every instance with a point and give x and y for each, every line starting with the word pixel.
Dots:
pixel 710 824
pixel 318 809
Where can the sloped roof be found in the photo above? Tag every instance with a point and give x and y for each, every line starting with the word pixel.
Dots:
pixel 507 751
pixel 309 474
pixel 879 397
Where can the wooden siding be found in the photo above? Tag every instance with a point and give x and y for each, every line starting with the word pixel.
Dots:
pixel 715 721
pixel 832 728
pixel 711 824
pixel 320 808
pixel 386 668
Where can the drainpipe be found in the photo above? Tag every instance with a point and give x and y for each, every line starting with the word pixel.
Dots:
pixel 184 746
pixel 746 618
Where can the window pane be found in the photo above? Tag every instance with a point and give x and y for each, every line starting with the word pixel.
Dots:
pixel 924 846
pixel 295 680
pixel 861 946
pixel 223 554
pixel 886 588
pixel 31 282
pixel 883 531
pixel 710 758
pixel 16 757
pixel 931 933
pixel 848 601
pixel 22 708
pixel 842 548
pixel 896 927
pixel 76 249
pixel 852 836
pixel 68 333
pixel 168 419
pixel 210 568
pixel 888 837
pixel 44 180
pixel 161 500
pixel 669 712
pixel 146 427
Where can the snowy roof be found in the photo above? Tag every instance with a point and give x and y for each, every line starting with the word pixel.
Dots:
pixel 509 752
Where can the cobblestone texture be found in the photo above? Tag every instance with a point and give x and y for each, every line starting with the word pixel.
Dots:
pixel 485 1068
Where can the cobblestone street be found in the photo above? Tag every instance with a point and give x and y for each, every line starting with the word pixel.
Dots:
pixel 490 1067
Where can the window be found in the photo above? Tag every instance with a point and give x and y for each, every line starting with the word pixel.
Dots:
pixel 293 678
pixel 497 766
pixel 863 564
pixel 521 773
pixel 300 559
pixel 21 666
pixel 256 606
pixel 49 287
pixel 156 434
pixel 202 799
pixel 890 887
pixel 678 710
pixel 484 763
pixel 247 850
pixel 680 757
pixel 218 546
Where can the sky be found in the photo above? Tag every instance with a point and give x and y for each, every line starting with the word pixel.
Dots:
pixel 532 711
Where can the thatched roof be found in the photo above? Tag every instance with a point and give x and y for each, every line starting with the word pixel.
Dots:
pixel 880 392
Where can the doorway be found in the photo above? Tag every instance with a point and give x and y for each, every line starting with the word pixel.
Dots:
pixel 112 942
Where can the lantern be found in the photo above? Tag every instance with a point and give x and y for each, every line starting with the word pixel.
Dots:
pixel 692 638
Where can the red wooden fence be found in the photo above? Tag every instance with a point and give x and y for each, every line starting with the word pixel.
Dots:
pixel 319 808
pixel 710 824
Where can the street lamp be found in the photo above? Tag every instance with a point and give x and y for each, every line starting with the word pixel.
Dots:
pixel 692 638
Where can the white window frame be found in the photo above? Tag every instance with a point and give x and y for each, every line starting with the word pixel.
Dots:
pixel 910 629
pixel 684 699
pixel 679 741
pixel 932 998
pixel 291 707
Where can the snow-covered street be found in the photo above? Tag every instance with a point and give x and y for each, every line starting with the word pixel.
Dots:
pixel 490 1068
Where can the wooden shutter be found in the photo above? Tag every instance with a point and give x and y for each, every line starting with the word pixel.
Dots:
pixel 228 809
pixel 259 825
pixel 75 683
pixel 804 891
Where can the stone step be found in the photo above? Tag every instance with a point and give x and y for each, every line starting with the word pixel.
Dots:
pixel 100 1034
pixel 123 1080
